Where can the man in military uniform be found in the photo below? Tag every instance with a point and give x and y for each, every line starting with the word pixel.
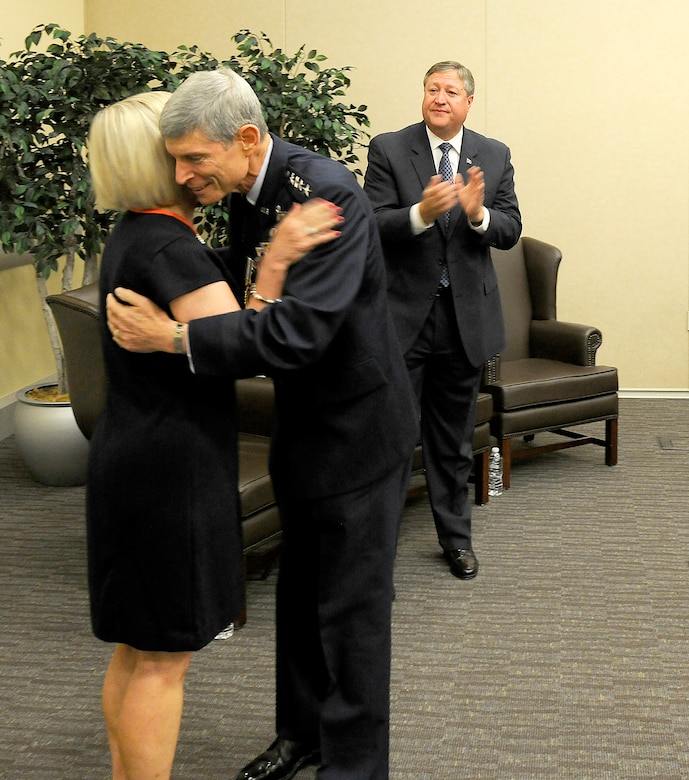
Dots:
pixel 345 429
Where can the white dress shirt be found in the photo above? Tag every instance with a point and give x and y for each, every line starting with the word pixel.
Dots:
pixel 417 224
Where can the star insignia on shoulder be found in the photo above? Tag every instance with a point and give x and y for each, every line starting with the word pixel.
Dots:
pixel 298 183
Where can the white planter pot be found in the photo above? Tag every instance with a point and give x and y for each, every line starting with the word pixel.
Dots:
pixel 53 447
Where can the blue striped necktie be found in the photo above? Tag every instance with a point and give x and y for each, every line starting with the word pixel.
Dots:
pixel 445 170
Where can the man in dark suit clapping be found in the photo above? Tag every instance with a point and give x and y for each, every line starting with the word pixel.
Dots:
pixel 443 195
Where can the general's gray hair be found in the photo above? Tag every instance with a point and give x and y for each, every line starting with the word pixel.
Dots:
pixel 463 72
pixel 216 102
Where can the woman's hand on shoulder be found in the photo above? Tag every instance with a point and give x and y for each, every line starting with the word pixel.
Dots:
pixel 305 227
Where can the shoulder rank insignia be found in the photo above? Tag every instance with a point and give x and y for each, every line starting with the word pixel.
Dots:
pixel 298 183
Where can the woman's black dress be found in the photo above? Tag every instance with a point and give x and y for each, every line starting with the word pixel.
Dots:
pixel 164 537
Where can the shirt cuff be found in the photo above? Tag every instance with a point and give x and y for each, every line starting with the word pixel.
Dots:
pixel 484 225
pixel 418 226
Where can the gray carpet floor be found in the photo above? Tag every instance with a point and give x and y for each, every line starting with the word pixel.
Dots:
pixel 565 658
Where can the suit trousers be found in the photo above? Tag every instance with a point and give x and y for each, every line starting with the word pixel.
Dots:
pixel 333 614
pixel 446 386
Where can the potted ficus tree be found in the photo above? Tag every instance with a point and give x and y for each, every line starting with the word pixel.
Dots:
pixel 47 99
pixel 49 92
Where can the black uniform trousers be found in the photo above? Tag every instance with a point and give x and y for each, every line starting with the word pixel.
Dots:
pixel 446 387
pixel 333 606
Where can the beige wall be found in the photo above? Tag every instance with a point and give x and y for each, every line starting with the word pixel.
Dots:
pixel 590 95
pixel 25 355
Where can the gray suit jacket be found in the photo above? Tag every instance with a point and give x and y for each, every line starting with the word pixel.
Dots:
pixel 400 165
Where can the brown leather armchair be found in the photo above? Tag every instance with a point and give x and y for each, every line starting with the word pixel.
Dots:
pixel 546 378
pixel 77 315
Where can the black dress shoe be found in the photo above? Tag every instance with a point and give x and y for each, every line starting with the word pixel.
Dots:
pixel 463 563
pixel 283 759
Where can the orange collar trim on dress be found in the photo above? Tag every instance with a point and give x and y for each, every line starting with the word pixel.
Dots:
pixel 167 213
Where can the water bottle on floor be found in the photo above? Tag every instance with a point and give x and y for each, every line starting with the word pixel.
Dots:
pixel 495 473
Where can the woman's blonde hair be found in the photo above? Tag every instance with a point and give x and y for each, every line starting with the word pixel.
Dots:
pixel 130 168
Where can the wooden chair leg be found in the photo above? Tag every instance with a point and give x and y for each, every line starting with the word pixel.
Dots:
pixel 611 442
pixel 241 620
pixel 506 451
pixel 481 462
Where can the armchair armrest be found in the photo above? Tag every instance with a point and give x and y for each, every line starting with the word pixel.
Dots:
pixel 565 341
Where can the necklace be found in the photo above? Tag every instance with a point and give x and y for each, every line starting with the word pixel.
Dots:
pixel 168 213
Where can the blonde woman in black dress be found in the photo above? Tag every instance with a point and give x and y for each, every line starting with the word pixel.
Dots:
pixel 164 537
